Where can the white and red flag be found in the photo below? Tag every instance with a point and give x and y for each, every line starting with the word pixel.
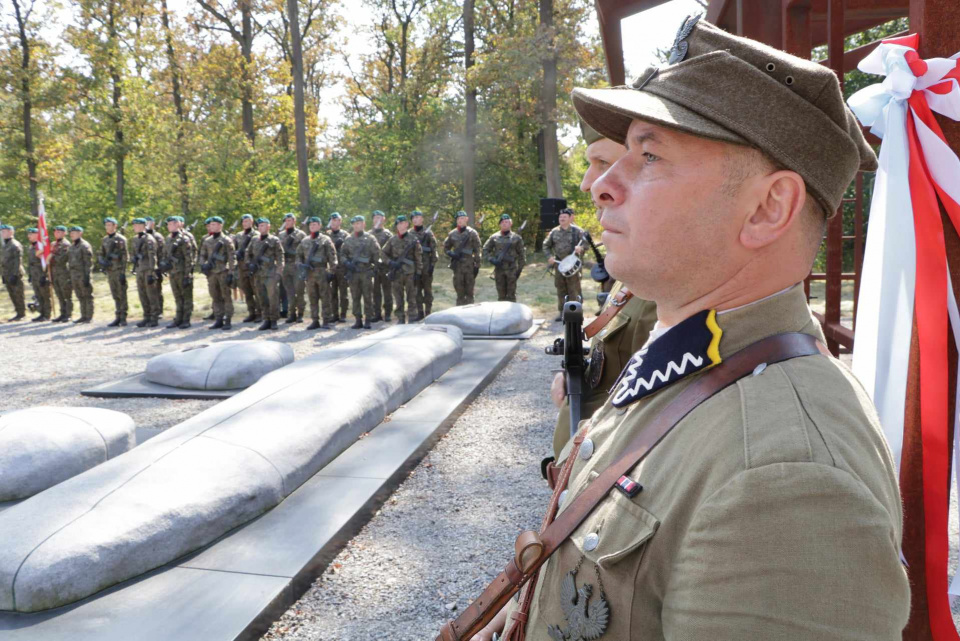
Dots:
pixel 43 238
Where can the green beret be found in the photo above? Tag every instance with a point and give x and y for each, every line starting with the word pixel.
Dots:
pixel 289 215
pixel 358 219
pixel 3 227
pixel 335 214
pixel 400 219
pixel 33 230
pixel 416 212
pixel 139 221
pixel 111 219
pixel 461 214
pixel 377 212
pixel 314 219
pixel 245 216
pixel 149 219
pixel 589 134
pixel 60 228
pixel 213 219
pixel 505 217
pixel 263 220
pixel 77 228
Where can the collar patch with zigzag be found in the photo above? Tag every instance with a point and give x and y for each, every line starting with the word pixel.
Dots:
pixel 686 348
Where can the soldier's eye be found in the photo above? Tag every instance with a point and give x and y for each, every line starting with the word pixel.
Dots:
pixel 650 158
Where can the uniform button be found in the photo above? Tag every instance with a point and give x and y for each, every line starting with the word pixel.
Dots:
pixel 758 370
pixel 591 541
pixel 586 449
pixel 603 333
pixel 563 497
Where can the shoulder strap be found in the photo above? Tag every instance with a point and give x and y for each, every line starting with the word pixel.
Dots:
pixel 607 314
pixel 533 549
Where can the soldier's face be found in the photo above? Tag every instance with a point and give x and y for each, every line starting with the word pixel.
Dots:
pixel 32 238
pixel 74 235
pixel 314 228
pixel 246 223
pixel 173 226
pixel 358 227
pixel 58 234
pixel 139 228
pixel 6 234
pixel 288 223
pixel 402 227
pixel 110 227
pixel 668 220
pixel 418 221
pixel 264 228
pixel 600 157
pixel 461 222
pixel 564 220
pixel 377 222
pixel 335 224
pixel 215 228
pixel 505 225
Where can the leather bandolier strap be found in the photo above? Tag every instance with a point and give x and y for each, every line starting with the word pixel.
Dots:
pixel 607 315
pixel 532 550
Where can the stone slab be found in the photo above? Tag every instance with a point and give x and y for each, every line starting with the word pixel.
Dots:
pixel 224 467
pixel 500 318
pixel 222 365
pixel 235 591
pixel 537 324
pixel 137 386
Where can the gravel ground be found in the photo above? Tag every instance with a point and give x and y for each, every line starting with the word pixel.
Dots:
pixel 449 529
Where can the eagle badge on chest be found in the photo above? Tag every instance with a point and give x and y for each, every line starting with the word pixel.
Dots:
pixel 586 620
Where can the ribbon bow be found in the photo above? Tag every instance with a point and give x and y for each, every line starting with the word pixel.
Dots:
pixel 905 271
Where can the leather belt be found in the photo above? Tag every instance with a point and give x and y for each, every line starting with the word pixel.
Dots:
pixel 612 309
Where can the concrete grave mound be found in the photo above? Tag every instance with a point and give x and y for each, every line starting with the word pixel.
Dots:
pixel 219 366
pixel 225 466
pixel 501 318
pixel 43 446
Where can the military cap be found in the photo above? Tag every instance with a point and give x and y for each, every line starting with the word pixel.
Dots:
pixel 110 219
pixel 3 227
pixel 737 90
pixel 589 134
pixel 245 216
pixel 416 212
pixel 172 219
pixel 139 221
pixel 60 228
pixel 314 219
pixel 149 219
pixel 568 211
pixel 461 214
pixel 214 219
pixel 505 217
pixel 263 220
pixel 289 215
pixel 76 228
pixel 377 212
pixel 33 230
pixel 400 219
pixel 358 219
pixel 335 214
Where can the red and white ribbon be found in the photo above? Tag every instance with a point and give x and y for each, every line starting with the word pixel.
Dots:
pixel 43 238
pixel 905 272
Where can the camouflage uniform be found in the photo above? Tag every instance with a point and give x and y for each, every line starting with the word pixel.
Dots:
pixel 11 268
pixel 158 282
pixel 62 286
pixel 113 261
pixel 81 266
pixel 179 257
pixel 291 239
pixel 143 250
pixel 429 256
pixel 361 256
pixel 504 250
pixel 560 243
pixel 217 262
pixel 382 290
pixel 404 260
pixel 463 248
pixel 266 253
pixel 317 257
pixel 244 278
pixel 338 286
pixel 40 283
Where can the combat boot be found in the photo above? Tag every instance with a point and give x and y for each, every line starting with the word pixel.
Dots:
pixel 358 324
pixel 342 319
pixel 218 324
pixel 212 316
pixel 291 319
pixel 227 324
pixel 152 323
pixel 273 325
pixel 123 320
pixel 175 323
pixel 251 318
pixel 59 319
pixel 116 321
pixel 376 319
pixel 314 325
pixel 37 319
pixel 83 320
pixel 366 324
pixel 185 324
pixel 144 322
pixel 264 326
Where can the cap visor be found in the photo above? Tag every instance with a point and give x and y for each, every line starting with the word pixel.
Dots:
pixel 610 112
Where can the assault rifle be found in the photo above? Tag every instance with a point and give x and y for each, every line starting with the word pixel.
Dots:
pixel 207 267
pixel 456 254
pixel 395 265
pixel 255 265
pixel 572 350
pixel 242 248
pixel 304 269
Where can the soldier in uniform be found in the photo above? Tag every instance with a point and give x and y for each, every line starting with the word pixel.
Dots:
pixel 317 264
pixel 218 263
pixel 244 278
pixel 562 241
pixel 361 257
pixel 428 252
pixel 505 253
pixel 382 294
pixel 60 269
pixel 38 276
pixel 143 253
pixel 404 259
pixel 338 286
pixel 177 263
pixel 11 269
pixel 113 262
pixel 80 260
pixel 291 237
pixel 158 281
pixel 264 259
pixel 462 246
pixel 771 510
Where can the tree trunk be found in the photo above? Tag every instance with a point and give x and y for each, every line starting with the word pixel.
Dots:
pixel 300 128
pixel 470 146
pixel 548 104
pixel 246 48
pixel 27 107
pixel 178 104
pixel 117 115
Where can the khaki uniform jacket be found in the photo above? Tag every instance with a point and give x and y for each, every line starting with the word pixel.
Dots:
pixel 510 245
pixel 428 247
pixel 218 251
pixel 113 253
pixel 406 250
pixel 143 253
pixel 467 243
pixel 81 258
pixel 11 259
pixel 179 252
pixel 362 252
pixel 325 255
pixel 610 350
pixel 268 253
pixel 561 242
pixel 60 257
pixel 771 512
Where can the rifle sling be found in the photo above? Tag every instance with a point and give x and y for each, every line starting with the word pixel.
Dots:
pixel 774 349
pixel 607 314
